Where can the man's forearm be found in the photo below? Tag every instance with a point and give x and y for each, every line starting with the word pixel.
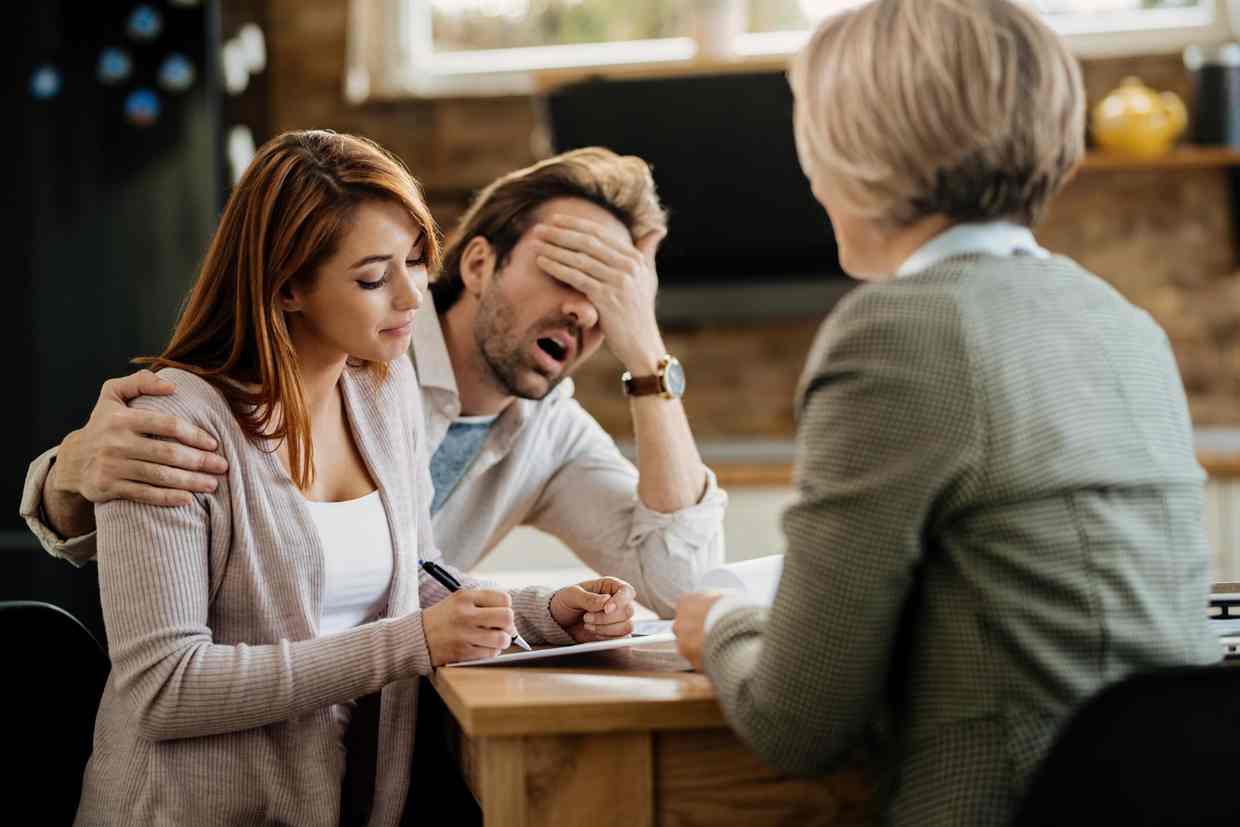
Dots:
pixel 66 513
pixel 672 474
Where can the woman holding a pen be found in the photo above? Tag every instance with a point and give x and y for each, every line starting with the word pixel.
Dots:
pixel 243 625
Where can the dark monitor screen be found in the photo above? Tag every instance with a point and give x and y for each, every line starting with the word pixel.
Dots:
pixel 724 159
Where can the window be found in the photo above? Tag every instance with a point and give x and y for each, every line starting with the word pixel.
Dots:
pixel 495 37
pixel 467 25
pixel 1117 27
pixel 1111 16
pixel 490 46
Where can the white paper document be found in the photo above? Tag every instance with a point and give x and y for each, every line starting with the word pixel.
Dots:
pixel 575 649
pixel 756 579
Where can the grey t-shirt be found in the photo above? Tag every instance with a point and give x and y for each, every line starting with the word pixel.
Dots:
pixel 460 447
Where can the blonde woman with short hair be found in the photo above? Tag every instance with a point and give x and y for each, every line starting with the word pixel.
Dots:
pixel 999 506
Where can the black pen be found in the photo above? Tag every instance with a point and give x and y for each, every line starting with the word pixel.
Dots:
pixel 445 579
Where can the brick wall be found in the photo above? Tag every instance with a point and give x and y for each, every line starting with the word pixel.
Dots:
pixel 1166 240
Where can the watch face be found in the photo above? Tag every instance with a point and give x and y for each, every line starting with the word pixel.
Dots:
pixel 674 379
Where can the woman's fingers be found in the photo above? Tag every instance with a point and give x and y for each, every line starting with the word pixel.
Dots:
pixel 488 639
pixel 614 624
pixel 494 618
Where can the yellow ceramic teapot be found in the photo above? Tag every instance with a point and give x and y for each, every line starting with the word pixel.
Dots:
pixel 1136 120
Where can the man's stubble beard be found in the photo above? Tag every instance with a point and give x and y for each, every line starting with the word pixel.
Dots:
pixel 501 349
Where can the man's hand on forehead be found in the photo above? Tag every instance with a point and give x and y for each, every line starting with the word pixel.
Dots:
pixel 602 241
pixel 617 275
pixel 612 230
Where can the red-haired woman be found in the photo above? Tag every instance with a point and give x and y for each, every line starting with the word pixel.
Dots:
pixel 242 625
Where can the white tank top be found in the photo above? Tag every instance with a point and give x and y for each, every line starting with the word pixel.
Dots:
pixel 357 569
pixel 357 560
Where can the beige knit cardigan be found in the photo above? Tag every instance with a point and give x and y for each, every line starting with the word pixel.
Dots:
pixel 218 709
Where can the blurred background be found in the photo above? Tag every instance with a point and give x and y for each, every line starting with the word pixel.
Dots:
pixel 135 118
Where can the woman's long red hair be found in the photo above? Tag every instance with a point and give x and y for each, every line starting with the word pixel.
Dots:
pixel 285 217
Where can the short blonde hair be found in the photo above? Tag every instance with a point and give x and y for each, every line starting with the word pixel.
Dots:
pixel 973 109
pixel 501 213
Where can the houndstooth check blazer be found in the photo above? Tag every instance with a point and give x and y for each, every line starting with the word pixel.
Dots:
pixel 999 512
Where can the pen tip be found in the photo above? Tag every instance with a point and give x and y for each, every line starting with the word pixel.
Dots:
pixel 520 641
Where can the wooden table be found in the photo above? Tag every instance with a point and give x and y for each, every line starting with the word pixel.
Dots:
pixel 625 738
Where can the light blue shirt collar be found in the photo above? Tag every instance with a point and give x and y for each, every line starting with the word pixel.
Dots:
pixel 992 238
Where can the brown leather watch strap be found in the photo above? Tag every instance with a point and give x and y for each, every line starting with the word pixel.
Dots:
pixel 643 385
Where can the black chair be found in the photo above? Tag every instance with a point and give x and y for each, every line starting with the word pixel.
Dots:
pixel 1161 748
pixel 54 673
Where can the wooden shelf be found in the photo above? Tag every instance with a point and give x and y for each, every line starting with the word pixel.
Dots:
pixel 1182 157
